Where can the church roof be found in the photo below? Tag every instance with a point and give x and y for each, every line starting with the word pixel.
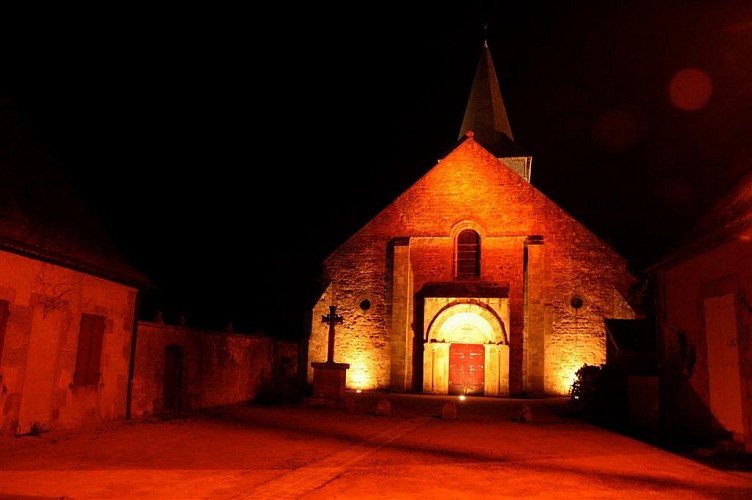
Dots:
pixel 485 113
pixel 40 215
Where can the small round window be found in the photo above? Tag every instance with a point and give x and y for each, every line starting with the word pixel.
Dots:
pixel 576 302
pixel 365 304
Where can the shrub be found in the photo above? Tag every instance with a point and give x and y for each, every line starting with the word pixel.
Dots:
pixel 598 393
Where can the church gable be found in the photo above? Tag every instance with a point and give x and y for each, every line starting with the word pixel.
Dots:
pixel 471 184
pixel 527 246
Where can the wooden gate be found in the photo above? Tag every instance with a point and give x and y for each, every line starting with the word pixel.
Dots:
pixel 466 369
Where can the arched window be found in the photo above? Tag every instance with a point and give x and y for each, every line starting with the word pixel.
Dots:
pixel 467 255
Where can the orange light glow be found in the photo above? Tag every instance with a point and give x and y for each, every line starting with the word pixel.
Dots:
pixel 361 373
pixel 564 378
pixel 467 327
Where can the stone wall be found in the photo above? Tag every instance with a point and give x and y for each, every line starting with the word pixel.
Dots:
pixel 215 368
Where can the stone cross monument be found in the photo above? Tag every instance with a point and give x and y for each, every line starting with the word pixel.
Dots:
pixel 332 319
pixel 329 378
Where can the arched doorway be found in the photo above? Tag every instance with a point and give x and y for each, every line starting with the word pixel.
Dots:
pixel 466 350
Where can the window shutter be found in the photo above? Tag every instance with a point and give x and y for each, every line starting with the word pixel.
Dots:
pixel 4 308
pixel 89 356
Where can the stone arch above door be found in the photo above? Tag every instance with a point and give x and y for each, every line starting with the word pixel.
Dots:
pixel 467 322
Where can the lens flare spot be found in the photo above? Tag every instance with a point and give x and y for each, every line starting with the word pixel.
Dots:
pixel 690 89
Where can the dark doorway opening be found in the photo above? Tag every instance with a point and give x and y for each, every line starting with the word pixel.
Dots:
pixel 173 378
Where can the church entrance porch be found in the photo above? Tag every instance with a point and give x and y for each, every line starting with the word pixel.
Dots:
pixel 466 346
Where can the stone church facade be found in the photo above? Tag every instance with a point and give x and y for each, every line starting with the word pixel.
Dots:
pixel 472 281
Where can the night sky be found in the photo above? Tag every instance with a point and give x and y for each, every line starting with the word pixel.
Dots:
pixel 227 152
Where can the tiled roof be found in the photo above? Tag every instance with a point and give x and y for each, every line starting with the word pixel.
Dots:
pixel 40 214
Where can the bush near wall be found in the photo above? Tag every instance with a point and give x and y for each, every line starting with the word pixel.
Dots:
pixel 599 394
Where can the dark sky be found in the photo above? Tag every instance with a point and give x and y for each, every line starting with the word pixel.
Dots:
pixel 229 150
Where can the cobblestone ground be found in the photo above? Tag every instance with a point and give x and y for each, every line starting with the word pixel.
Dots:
pixel 401 449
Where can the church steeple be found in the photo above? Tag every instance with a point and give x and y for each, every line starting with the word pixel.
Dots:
pixel 486 116
pixel 485 113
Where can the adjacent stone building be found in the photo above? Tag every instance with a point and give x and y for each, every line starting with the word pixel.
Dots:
pixel 472 281
pixel 68 299
pixel 704 318
pixel 72 351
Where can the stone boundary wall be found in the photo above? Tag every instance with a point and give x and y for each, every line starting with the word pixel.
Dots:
pixel 180 368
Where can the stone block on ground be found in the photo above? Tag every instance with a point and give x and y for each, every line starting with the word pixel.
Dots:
pixel 524 413
pixel 383 408
pixel 449 411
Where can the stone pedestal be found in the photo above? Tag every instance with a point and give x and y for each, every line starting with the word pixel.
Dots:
pixel 329 380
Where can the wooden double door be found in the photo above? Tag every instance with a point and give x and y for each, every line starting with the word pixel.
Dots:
pixel 466 369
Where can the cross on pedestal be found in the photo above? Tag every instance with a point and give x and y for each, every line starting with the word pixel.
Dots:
pixel 329 378
pixel 332 319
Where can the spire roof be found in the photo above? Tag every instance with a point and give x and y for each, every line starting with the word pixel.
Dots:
pixel 485 113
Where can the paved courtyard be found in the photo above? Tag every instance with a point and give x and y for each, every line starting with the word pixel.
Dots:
pixel 299 451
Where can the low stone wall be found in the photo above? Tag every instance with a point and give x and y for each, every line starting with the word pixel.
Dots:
pixel 179 368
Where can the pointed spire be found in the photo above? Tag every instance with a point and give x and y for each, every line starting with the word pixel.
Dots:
pixel 486 116
pixel 485 113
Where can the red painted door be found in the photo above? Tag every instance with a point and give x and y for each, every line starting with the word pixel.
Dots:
pixel 466 368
